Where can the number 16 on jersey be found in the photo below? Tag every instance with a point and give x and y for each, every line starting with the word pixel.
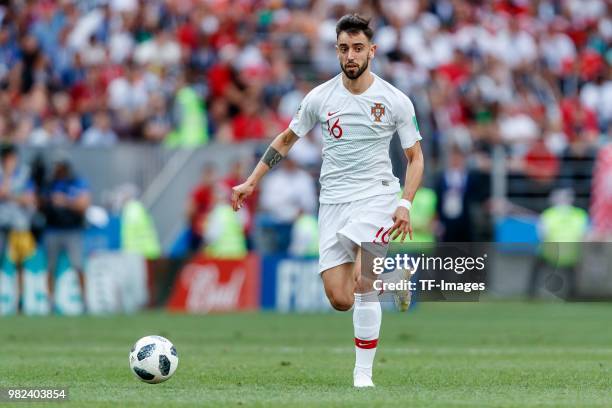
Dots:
pixel 334 130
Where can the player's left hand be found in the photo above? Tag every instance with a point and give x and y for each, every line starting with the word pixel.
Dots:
pixel 401 226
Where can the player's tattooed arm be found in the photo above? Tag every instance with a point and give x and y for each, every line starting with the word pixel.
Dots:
pixel 271 157
pixel 279 148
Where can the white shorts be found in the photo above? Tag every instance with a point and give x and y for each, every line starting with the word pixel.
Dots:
pixel 344 226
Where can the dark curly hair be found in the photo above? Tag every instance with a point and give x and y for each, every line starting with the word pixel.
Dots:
pixel 353 24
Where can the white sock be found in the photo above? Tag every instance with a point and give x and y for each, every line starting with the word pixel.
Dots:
pixel 367 316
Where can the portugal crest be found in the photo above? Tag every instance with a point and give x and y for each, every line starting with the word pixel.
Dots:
pixel 378 110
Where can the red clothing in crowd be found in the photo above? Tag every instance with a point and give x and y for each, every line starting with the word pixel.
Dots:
pixel 246 127
pixel 219 78
pixel 540 163
pixel 201 199
pixel 577 119
pixel 455 72
pixel 87 97
pixel 187 35
pixel 513 8
pixel 591 64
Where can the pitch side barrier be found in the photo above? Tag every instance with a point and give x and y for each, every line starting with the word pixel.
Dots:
pixel 118 282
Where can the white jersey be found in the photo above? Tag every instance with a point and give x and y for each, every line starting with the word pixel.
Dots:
pixel 357 131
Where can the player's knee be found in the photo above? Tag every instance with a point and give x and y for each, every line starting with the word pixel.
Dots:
pixel 340 301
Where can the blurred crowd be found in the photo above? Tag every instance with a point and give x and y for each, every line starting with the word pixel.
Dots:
pixel 534 75
pixel 531 77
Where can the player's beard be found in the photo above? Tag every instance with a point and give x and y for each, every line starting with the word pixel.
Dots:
pixel 359 71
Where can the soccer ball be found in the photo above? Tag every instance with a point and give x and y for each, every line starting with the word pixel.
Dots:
pixel 153 359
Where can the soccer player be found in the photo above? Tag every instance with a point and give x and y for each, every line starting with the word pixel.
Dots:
pixel 359 112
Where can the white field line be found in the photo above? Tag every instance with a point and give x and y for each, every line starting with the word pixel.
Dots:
pixel 459 350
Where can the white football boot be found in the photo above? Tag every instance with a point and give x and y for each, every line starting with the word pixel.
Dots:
pixel 402 297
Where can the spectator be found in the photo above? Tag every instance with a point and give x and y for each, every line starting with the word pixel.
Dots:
pixel 94 53
pixel 305 236
pixel 162 50
pixel 457 188
pixel 578 120
pixel 9 50
pixel 128 96
pixel 65 201
pixel 199 204
pixel 189 112
pixel 540 163
pixel 88 94
pixel 249 123
pixel 285 194
pixel 50 133
pixel 159 123
pixel 16 196
pixel 73 128
pixel 224 228
pixel 100 133
pixel 597 96
pixel 220 125
pixel 562 228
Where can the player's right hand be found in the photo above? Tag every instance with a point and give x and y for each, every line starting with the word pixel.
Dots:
pixel 240 192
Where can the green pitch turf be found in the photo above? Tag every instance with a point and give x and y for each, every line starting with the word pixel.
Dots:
pixel 440 355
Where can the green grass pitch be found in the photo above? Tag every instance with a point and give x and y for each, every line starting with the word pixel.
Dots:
pixel 439 355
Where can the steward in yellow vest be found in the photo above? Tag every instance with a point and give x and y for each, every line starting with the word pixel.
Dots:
pixel 224 233
pixel 562 230
pixel 305 236
pixel 192 128
pixel 138 234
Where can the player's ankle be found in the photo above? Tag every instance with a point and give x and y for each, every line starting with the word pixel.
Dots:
pixel 363 370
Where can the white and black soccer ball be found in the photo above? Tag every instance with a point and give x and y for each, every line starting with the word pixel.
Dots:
pixel 153 359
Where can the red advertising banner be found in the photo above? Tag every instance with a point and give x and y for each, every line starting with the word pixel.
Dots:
pixel 214 285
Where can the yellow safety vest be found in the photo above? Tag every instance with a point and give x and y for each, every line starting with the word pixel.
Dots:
pixel 192 130
pixel 307 226
pixel 564 227
pixel 138 234
pixel 231 243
